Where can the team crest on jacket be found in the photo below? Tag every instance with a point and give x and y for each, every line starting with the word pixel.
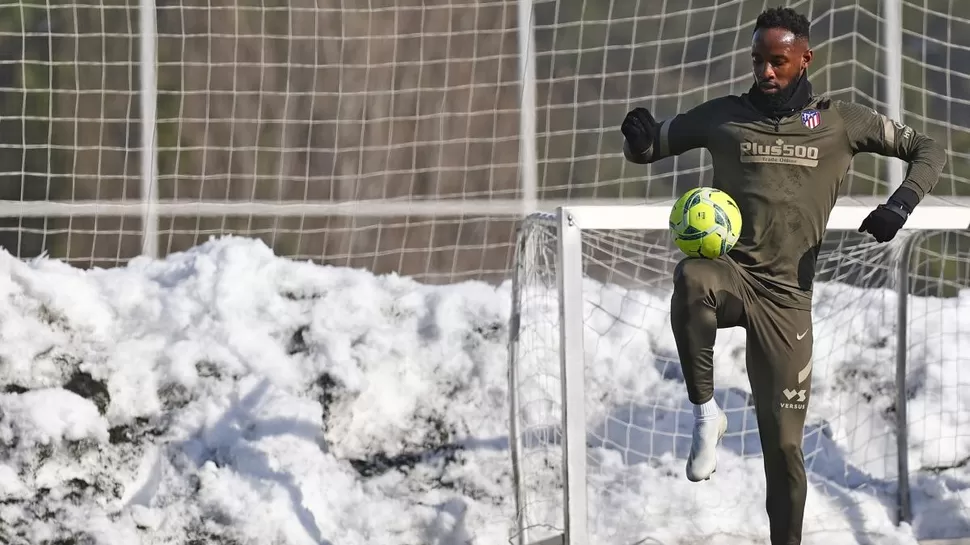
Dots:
pixel 811 118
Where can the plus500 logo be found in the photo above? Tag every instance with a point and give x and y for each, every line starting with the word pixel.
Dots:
pixel 779 150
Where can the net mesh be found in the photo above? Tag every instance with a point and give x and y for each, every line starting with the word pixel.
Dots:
pixel 406 102
pixel 639 419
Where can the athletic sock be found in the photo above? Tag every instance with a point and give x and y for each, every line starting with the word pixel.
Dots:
pixel 706 411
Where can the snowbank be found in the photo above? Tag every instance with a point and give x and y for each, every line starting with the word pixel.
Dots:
pixel 225 395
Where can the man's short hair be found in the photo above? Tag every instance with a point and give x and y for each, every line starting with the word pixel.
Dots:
pixel 785 18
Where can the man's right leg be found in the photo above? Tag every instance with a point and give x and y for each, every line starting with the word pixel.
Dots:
pixel 706 297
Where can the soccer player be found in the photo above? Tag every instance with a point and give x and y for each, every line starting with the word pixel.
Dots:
pixel 781 151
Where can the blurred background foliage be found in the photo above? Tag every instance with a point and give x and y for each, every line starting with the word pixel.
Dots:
pixel 277 100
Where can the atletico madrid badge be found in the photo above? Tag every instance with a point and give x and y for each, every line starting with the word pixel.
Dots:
pixel 811 118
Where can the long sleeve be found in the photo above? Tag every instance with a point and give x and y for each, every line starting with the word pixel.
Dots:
pixel 684 132
pixel 873 132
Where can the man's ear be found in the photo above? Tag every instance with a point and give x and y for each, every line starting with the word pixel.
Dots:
pixel 807 57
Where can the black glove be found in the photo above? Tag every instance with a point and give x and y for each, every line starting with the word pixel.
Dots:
pixel 637 128
pixel 885 221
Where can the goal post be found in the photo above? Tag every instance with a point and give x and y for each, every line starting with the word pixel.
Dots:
pixel 599 421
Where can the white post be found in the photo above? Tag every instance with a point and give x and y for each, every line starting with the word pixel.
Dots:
pixel 528 167
pixel 149 151
pixel 572 359
pixel 892 32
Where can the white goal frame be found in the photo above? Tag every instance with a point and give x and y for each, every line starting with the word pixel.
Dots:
pixel 934 214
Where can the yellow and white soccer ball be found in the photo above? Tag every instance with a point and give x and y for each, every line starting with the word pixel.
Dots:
pixel 705 222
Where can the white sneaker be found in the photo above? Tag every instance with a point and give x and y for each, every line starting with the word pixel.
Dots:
pixel 702 461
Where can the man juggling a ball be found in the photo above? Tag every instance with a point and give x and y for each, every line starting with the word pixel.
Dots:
pixel 780 153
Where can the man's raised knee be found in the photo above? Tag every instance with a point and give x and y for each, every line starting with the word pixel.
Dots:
pixel 696 277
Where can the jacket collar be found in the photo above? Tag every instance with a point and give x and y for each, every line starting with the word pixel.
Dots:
pixel 791 101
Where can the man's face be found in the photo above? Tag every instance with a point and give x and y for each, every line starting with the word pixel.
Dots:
pixel 778 57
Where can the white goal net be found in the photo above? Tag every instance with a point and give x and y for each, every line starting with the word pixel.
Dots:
pixel 388 135
pixel 605 58
pixel 602 423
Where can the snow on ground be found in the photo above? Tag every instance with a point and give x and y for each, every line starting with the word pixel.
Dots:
pixel 227 396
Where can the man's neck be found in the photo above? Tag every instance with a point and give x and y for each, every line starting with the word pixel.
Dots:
pixel 786 101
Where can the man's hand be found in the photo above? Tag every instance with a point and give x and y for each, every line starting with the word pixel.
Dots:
pixel 637 128
pixel 884 221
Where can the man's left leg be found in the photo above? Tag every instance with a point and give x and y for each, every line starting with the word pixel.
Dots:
pixel 779 356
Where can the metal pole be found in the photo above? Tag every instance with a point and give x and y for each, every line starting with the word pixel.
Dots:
pixel 572 358
pixel 904 513
pixel 528 166
pixel 149 144
pixel 892 37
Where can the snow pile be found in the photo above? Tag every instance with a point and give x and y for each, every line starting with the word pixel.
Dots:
pixel 228 396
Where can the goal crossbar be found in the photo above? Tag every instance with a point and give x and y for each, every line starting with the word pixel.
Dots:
pixel 847 215
pixel 933 213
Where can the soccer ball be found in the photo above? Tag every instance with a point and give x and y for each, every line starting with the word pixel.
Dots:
pixel 705 222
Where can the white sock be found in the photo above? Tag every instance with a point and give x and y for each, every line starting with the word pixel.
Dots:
pixel 706 411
